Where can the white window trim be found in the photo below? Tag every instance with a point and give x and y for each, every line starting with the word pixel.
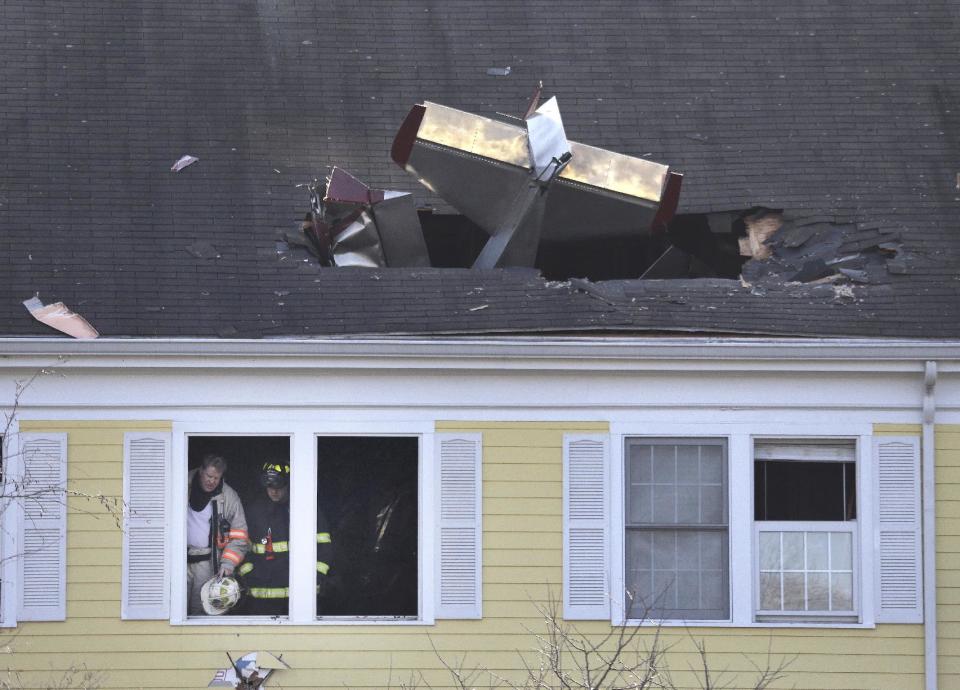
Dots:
pixel 303 455
pixel 740 437
pixel 11 525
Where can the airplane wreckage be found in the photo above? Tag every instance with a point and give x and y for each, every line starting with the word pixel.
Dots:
pixel 521 181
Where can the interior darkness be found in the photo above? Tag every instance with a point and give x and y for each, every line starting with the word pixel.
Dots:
pixel 700 246
pixel 800 491
pixel 245 456
pixel 367 487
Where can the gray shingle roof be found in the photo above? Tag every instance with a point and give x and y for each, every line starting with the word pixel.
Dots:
pixel 847 110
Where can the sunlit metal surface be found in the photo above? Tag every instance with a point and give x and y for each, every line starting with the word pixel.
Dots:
pixel 615 172
pixel 507 143
pixel 475 134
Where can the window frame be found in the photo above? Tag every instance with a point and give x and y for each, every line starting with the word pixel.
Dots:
pixel 303 435
pixel 682 527
pixel 11 529
pixel 855 529
pixel 741 431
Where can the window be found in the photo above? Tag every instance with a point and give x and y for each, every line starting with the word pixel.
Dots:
pixel 382 528
pixel 805 517
pixel 740 529
pixel 367 493
pixel 367 552
pixel 245 530
pixel 676 540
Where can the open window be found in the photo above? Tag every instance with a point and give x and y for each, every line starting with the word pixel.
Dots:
pixel 367 502
pixel 805 530
pixel 234 523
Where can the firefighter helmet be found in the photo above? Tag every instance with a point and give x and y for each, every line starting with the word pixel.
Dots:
pixel 219 595
pixel 275 474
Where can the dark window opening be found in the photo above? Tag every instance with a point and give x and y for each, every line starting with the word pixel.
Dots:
pixel 694 246
pixel 367 488
pixel 791 490
pixel 264 579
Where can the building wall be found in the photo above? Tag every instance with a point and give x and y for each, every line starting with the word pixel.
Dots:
pixel 522 491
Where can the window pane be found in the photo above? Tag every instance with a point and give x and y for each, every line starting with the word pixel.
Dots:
pixel 688 464
pixel 793 551
pixel 641 464
pixel 639 551
pixel 817 550
pixel 841 552
pixel 664 464
pixel 712 512
pixel 665 503
pixel 711 463
pixel 769 551
pixel 793 586
pixel 818 592
pixel 640 509
pixel 841 587
pixel 688 505
pixel 770 591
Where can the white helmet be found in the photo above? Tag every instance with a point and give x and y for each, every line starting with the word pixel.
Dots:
pixel 219 595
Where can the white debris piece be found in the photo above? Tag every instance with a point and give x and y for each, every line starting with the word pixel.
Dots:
pixel 57 316
pixel 183 162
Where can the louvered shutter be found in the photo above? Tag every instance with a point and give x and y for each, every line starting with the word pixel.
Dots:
pixel 43 563
pixel 459 572
pixel 898 530
pixel 586 553
pixel 146 561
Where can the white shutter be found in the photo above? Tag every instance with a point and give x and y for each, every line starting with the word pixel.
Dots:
pixel 898 530
pixel 43 561
pixel 459 571
pixel 146 558
pixel 586 552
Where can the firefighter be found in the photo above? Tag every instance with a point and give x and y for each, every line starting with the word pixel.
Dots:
pixel 216 528
pixel 266 572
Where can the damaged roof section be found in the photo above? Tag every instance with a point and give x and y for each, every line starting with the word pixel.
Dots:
pixel 520 181
pixel 790 247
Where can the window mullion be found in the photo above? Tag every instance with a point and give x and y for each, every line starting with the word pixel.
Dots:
pixel 740 518
pixel 303 511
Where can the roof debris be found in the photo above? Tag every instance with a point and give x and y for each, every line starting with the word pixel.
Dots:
pixel 183 162
pixel 58 316
pixel 350 224
pixel 498 71
pixel 250 671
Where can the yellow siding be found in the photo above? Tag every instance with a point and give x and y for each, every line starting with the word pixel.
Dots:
pixel 947 445
pixel 522 491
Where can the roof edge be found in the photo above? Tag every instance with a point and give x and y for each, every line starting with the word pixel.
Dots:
pixel 517 348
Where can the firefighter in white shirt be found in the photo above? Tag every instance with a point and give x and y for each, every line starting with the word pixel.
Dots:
pixel 216 528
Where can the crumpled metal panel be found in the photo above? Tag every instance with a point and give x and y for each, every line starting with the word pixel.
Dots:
pixel 359 244
pixel 401 236
pixel 351 224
